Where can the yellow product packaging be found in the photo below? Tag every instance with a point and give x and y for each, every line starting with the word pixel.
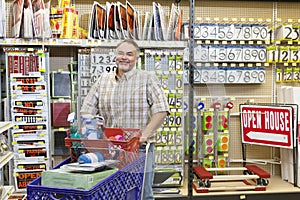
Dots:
pixel 67 22
pixel 65 3
pixel 56 25
pixel 75 25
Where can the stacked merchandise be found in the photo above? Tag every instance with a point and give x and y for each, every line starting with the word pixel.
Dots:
pixel 27 72
pixel 118 21
pixel 64 21
pixel 30 19
pixel 33 19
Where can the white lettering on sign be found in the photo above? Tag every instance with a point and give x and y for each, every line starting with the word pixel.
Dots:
pixel 268 125
pixel 274 120
pixel 277 121
pixel 252 119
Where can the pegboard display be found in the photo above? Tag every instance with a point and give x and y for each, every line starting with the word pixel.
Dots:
pixel 233 9
pixel 218 12
pixel 233 12
pixel 169 153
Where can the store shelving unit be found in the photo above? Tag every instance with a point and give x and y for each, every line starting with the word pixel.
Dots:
pixel 5 158
pixel 64 51
pixel 28 108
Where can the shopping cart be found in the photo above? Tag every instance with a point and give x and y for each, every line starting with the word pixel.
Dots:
pixel 126 184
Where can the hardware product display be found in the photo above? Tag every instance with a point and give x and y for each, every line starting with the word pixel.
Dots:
pixel 28 86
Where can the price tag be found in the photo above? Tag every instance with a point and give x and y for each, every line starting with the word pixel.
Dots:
pixel 213 75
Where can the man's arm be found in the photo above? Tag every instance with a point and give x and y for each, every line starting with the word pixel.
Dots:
pixel 155 122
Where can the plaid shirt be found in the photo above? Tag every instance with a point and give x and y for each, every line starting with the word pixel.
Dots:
pixel 126 102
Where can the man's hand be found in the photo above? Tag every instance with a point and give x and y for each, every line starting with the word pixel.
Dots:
pixel 155 122
pixel 143 139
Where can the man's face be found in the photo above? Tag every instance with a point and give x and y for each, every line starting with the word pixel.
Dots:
pixel 126 57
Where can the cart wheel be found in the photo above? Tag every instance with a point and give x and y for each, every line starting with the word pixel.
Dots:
pixel 265 182
pixel 201 183
pixel 207 183
pixel 259 181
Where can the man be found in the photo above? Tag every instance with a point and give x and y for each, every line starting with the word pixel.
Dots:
pixel 130 98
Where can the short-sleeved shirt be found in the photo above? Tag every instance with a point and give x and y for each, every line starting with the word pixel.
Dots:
pixel 126 102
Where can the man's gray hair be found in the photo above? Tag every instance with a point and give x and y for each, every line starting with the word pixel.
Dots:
pixel 130 41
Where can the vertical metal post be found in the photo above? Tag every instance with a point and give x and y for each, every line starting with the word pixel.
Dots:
pixel 191 100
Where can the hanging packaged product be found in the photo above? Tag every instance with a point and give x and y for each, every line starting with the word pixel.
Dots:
pixel 75 25
pixel 56 24
pixel 67 22
pixel 64 3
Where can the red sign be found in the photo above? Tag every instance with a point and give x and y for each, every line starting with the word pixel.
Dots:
pixel 267 125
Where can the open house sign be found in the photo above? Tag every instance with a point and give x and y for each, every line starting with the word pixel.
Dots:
pixel 267 125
